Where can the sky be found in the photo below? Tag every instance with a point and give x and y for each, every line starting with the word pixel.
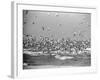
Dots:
pixel 57 25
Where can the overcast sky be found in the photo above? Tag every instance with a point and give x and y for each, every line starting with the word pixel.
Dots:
pixel 57 24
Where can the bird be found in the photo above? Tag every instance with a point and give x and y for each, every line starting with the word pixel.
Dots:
pixel 74 34
pixel 60 24
pixel 42 28
pixel 24 22
pixel 33 22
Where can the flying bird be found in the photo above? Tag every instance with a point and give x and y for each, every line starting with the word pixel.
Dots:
pixel 24 22
pixel 74 34
pixel 42 28
pixel 60 24
pixel 89 25
pixel 33 22
pixel 82 23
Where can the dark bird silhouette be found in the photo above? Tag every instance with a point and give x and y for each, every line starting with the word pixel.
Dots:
pixel 60 24
pixel 42 28
pixel 89 25
pixel 24 22
pixel 75 34
pixel 82 23
pixel 33 22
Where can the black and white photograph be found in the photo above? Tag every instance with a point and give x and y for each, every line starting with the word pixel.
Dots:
pixel 56 39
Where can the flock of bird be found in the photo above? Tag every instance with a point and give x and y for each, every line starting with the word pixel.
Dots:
pixel 45 28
